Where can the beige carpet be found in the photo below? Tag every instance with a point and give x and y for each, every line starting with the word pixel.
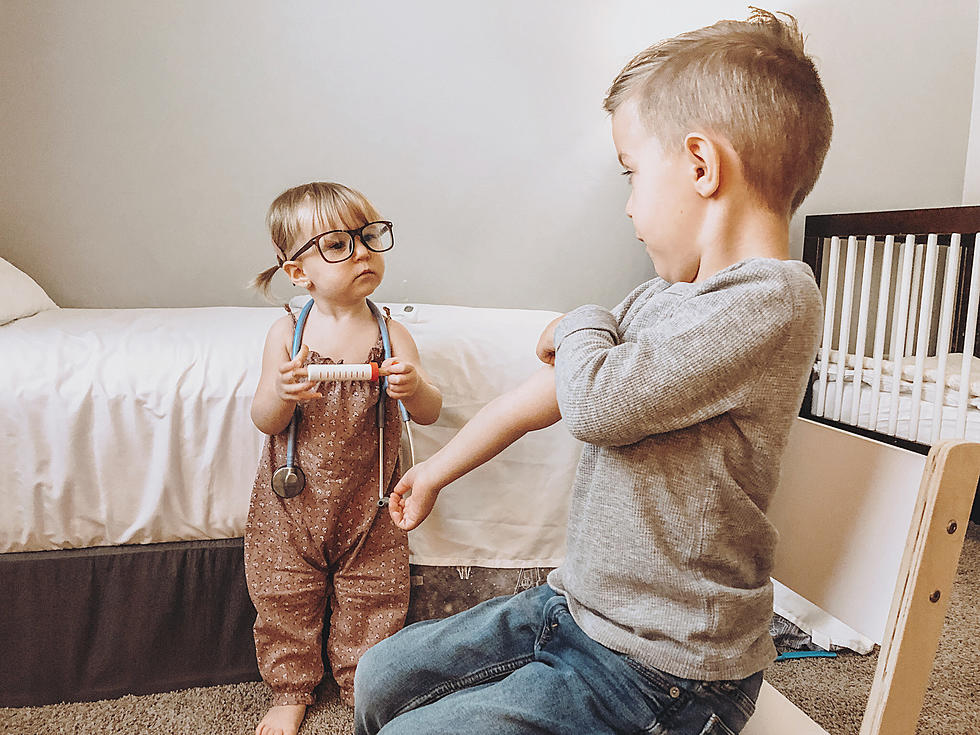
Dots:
pixel 832 691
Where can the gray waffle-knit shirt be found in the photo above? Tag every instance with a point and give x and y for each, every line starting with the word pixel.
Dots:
pixel 684 395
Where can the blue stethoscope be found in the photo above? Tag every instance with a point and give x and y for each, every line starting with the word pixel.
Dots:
pixel 288 481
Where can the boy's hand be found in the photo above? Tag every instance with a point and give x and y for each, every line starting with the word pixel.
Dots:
pixel 292 385
pixel 412 498
pixel 546 342
pixel 403 378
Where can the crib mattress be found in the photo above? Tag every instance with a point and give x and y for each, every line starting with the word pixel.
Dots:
pixel 131 426
pixel 912 416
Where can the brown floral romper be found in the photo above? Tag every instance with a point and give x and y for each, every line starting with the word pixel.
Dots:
pixel 331 541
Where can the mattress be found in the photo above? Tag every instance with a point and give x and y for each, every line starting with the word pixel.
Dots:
pixel 131 426
pixel 912 414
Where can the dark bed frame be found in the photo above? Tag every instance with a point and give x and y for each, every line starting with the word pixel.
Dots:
pixel 942 221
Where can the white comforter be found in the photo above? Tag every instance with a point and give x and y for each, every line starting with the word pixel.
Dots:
pixel 130 426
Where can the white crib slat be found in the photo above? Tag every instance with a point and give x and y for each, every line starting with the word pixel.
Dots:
pixel 914 303
pixel 968 343
pixel 945 324
pixel 901 322
pixel 862 333
pixel 844 334
pixel 924 332
pixel 828 324
pixel 881 326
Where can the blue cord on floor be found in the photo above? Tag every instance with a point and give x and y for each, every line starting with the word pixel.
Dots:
pixel 805 654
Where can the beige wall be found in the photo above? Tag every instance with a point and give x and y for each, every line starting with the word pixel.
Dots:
pixel 971 178
pixel 142 142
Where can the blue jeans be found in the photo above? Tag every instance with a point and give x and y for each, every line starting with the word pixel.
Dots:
pixel 520 664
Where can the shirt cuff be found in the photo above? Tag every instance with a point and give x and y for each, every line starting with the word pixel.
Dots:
pixel 590 317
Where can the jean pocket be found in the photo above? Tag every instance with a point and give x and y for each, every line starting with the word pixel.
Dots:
pixel 716 726
pixel 732 693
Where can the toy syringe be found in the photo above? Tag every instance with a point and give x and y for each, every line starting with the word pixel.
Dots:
pixel 369 371
pixel 342 372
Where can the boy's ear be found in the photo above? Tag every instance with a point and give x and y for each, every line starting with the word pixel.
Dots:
pixel 705 160
pixel 296 273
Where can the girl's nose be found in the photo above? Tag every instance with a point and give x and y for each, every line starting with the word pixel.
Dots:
pixel 360 249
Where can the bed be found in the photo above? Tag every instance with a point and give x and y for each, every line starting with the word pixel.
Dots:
pixel 129 457
pixel 899 357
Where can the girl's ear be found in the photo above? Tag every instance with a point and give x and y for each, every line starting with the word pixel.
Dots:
pixel 705 161
pixel 296 273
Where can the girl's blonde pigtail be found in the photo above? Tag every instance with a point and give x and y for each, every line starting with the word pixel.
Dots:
pixel 261 282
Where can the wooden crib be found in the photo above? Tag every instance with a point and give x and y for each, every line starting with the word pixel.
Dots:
pixel 899 357
pixel 879 475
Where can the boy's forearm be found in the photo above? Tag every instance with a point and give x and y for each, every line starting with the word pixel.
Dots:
pixel 496 426
pixel 424 407
pixel 483 437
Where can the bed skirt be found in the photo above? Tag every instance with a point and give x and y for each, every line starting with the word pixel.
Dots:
pixel 88 624
pixel 98 623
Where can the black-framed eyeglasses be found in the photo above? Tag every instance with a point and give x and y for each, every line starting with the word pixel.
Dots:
pixel 337 246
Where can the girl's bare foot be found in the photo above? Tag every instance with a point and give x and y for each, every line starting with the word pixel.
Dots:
pixel 283 719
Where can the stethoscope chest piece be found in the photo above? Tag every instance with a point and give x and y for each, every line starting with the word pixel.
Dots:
pixel 288 482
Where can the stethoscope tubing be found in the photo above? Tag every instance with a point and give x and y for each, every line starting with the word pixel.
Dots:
pixel 290 466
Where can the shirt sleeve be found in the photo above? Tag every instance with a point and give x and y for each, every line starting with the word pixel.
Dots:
pixel 697 364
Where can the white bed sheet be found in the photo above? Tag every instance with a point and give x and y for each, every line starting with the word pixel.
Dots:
pixel 130 426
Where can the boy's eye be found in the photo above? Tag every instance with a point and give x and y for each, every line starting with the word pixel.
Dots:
pixel 629 175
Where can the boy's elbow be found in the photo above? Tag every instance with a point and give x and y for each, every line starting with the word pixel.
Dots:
pixel 581 423
pixel 595 435
pixel 587 425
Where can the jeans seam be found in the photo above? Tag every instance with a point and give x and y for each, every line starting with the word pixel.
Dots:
pixel 651 675
pixel 739 699
pixel 463 682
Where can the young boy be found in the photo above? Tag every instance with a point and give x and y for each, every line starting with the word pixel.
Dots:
pixel 657 621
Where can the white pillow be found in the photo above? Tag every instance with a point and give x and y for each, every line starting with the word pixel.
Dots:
pixel 20 296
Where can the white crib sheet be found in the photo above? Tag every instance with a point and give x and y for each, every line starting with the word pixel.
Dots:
pixel 923 431
pixel 129 426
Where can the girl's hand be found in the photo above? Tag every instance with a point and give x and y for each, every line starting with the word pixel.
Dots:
pixel 403 378
pixel 292 385
pixel 412 498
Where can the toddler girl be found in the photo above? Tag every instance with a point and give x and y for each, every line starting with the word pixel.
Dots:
pixel 329 542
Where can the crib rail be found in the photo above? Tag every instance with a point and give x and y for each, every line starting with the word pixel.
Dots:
pixel 901 292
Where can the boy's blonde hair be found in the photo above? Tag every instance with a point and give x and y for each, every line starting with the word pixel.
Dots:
pixel 749 81
pixel 334 207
